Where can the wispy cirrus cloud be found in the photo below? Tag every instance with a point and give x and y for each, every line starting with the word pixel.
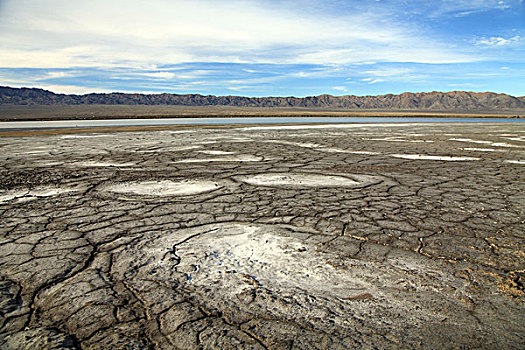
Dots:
pixel 340 88
pixel 495 41
pixel 372 80
pixel 390 72
pixel 157 75
pixel 457 8
pixel 100 33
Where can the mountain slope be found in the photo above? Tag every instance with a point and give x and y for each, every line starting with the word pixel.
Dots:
pixel 432 101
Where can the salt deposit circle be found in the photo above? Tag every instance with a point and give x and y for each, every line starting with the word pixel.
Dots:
pixel 164 188
pixel 309 180
pixel 273 271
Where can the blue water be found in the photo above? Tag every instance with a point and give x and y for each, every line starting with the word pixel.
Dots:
pixel 245 120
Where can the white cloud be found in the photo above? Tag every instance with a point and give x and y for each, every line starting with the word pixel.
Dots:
pixel 498 41
pixel 83 56
pixel 340 88
pixel 425 53
pixel 56 75
pixel 98 33
pixel 389 72
pixel 372 80
pixel 462 8
pixel 465 85
pixel 159 75
pixel 327 71
pixel 12 79
pixel 394 74
pixel 239 88
pixel 254 80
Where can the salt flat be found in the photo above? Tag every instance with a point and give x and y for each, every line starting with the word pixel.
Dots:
pixel 264 237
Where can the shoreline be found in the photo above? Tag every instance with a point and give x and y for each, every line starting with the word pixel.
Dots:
pixel 117 112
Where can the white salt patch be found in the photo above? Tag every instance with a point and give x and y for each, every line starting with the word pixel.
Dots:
pixel 216 152
pixel 35 193
pixel 164 188
pixel 279 261
pixel 390 139
pixel 515 161
pixel 9 195
pixel 149 151
pixel 308 180
pixel 338 150
pixel 298 144
pixel 25 199
pixel 502 144
pixel 472 141
pixel 230 139
pixel 49 191
pixel 494 144
pixel 239 158
pixel 104 164
pixel 232 261
pixel 323 126
pixel 521 139
pixel 362 152
pixel 235 139
pixel 36 152
pixel 330 150
pixel 307 144
pixel 44 164
pixel 181 131
pixel 424 157
pixel 314 133
pixel 482 149
pixel 319 147
pixel 170 149
pixel 81 136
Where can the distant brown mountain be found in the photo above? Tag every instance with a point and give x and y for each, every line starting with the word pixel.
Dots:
pixel 457 101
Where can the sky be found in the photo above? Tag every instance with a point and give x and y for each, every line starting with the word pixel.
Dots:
pixel 263 47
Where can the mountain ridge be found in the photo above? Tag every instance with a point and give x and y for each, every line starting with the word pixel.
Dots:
pixel 429 101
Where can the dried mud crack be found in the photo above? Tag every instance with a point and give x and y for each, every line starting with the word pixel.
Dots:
pixel 391 236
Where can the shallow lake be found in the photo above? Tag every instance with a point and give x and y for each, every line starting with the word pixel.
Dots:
pixel 245 120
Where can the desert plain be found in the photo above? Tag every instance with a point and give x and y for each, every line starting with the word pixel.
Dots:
pixel 264 237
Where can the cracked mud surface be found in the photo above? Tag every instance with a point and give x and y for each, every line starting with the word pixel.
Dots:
pixel 370 236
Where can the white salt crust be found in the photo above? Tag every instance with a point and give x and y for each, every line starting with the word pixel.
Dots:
pixel 493 144
pixel 307 180
pixel 425 157
pixel 239 158
pixel 104 164
pixel 164 188
pixel 33 194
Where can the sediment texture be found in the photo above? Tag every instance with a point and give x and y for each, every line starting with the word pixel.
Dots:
pixel 371 236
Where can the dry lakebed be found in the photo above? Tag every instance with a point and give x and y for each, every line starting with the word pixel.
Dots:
pixel 341 236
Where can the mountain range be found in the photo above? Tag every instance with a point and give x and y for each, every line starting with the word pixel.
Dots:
pixel 457 101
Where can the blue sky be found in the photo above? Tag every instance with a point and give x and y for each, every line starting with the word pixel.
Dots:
pixel 264 48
